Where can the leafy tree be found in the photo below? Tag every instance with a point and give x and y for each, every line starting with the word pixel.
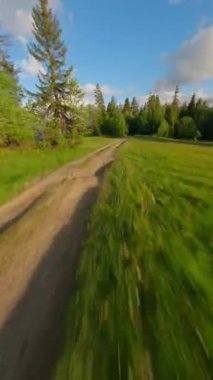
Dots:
pixel 186 128
pixel 155 111
pixel 56 88
pixel 17 124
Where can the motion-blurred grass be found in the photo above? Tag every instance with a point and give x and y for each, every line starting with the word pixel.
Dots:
pixel 143 305
pixel 19 167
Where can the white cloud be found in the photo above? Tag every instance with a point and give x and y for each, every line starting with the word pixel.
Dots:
pixel 192 63
pixel 107 91
pixel 15 16
pixel 30 66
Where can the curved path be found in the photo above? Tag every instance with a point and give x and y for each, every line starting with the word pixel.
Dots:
pixel 41 233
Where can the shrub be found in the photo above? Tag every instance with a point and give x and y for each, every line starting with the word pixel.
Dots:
pixel 163 130
pixel 186 128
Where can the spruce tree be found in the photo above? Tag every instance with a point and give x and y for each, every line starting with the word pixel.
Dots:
pixel 192 106
pixel 135 106
pixel 127 107
pixel 56 86
pixel 112 105
pixel 5 63
pixel 176 97
pixel 99 99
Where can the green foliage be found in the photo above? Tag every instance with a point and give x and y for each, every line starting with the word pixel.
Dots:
pixel 142 308
pixel 171 116
pixel 114 123
pixel 16 123
pixel 155 112
pixel 163 130
pixel 186 128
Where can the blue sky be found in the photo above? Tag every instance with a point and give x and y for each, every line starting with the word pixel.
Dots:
pixel 129 47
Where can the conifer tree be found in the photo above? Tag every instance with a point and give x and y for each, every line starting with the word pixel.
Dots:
pixel 127 107
pixel 99 99
pixel 112 105
pixel 192 106
pixel 56 85
pixel 5 63
pixel 176 97
pixel 135 106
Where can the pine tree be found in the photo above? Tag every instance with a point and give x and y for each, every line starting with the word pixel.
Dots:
pixel 176 97
pixel 127 107
pixel 112 105
pixel 5 63
pixel 99 99
pixel 192 106
pixel 135 106
pixel 56 86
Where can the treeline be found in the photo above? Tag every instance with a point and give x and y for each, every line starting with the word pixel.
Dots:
pixel 55 114
pixel 182 121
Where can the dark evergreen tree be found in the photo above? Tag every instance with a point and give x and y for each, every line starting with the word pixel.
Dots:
pixel 176 97
pixel 192 106
pixel 135 106
pixel 127 107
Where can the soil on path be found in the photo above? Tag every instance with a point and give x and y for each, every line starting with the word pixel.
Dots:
pixel 41 233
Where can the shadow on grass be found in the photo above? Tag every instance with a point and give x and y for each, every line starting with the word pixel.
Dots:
pixel 177 141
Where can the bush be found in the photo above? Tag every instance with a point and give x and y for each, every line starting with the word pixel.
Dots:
pixel 163 130
pixel 186 128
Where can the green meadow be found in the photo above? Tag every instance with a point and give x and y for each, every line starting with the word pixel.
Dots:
pixel 143 302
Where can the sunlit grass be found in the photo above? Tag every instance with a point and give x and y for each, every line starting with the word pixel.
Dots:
pixel 19 167
pixel 144 289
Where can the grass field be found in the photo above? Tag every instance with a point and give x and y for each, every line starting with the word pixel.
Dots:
pixel 19 167
pixel 143 304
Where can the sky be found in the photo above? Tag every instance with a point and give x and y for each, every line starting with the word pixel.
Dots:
pixel 131 48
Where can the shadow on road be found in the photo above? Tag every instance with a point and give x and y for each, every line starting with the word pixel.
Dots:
pixel 31 337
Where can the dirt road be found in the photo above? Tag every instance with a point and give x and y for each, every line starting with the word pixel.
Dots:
pixel 41 233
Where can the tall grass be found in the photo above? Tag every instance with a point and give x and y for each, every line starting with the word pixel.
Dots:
pixel 20 166
pixel 143 305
